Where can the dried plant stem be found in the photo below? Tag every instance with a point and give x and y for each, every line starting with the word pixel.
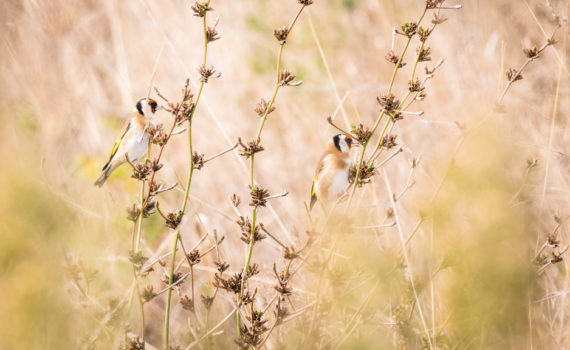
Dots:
pixel 353 322
pixel 548 42
pixel 551 133
pixel 275 90
pixel 268 109
pixel 405 254
pixel 135 243
pixel 186 194
pixel 211 330
pixel 378 120
pixel 462 139
pixel 378 149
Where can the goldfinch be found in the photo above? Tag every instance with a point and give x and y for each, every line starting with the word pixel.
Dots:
pixel 331 177
pixel 134 138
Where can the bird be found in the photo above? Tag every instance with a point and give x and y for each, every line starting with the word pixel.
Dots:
pixel 134 139
pixel 331 176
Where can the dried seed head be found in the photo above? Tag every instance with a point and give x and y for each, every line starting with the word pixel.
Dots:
pixel 207 301
pixel 286 79
pixel 415 86
pixel 155 165
pixel 432 4
pixel 173 219
pixel 512 75
pixel 148 293
pixel 198 160
pixel 187 303
pixel 157 135
pixel 424 33
pixel 247 297
pixel 251 148
pixel 289 253
pixel 261 108
pixel 137 259
pixel 392 57
pixel 236 201
pixel 305 2
pixel 367 171
pixel 133 213
pixel 194 257
pixel 409 29
pixel 149 209
pixel 397 116
pixel 258 196
pixel 388 102
pixel 361 132
pixel 245 226
pixel 424 54
pixel 176 276
pixel 551 41
pixel 252 336
pixel 155 188
pixel 280 313
pixel 183 110
pixel 283 279
pixel 389 141
pixel 141 170
pixel 553 240
pixel 232 284
pixel 211 32
pixel 134 343
pixel 531 53
pixel 253 270
pixel 531 163
pixel 281 34
pixel 222 266
pixel 208 73
pixel 556 257
pixel 200 8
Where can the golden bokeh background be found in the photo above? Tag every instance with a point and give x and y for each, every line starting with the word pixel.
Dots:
pixel 72 71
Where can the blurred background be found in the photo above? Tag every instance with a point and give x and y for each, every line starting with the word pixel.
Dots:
pixel 483 201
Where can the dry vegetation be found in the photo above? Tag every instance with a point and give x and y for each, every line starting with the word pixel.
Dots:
pixel 454 238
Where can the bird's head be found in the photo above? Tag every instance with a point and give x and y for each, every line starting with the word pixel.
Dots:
pixel 147 107
pixel 343 142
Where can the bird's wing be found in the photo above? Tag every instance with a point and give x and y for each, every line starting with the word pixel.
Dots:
pixel 320 167
pixel 126 127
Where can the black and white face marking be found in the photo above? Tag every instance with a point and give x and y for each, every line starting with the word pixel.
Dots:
pixel 152 106
pixel 342 142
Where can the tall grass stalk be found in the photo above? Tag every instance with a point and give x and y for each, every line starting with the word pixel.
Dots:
pixel 187 190
pixel 278 85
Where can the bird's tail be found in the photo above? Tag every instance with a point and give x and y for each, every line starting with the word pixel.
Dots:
pixel 107 170
pixel 313 201
pixel 101 180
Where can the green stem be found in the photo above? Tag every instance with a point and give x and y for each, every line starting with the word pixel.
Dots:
pixel 252 163
pixel 379 143
pixel 417 61
pixel 252 182
pixel 139 221
pixel 169 296
pixel 135 243
pixel 361 158
pixel 186 195
pixel 264 118
pixel 141 307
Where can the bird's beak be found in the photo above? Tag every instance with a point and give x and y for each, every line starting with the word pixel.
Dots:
pixel 355 144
